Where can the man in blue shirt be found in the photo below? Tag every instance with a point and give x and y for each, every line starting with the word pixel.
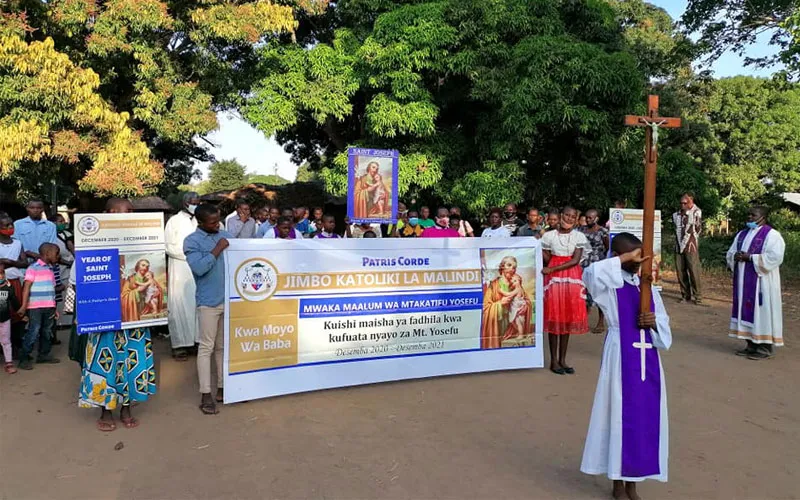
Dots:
pixel 271 222
pixel 302 223
pixel 34 230
pixel 203 250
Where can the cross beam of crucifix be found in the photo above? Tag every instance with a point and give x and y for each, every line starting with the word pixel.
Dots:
pixel 653 123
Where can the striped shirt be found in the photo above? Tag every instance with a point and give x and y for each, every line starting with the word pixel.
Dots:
pixel 43 285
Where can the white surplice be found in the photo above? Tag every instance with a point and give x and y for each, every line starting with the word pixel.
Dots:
pixel 183 323
pixel 603 451
pixel 767 325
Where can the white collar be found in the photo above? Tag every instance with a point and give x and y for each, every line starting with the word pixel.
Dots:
pixel 630 278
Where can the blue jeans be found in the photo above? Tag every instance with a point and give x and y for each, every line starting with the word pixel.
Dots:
pixel 40 326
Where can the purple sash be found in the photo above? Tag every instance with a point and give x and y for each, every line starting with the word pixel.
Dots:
pixel 322 236
pixel 277 234
pixel 750 275
pixel 641 399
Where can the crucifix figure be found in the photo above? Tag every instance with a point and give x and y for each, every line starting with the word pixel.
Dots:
pixel 643 346
pixel 652 122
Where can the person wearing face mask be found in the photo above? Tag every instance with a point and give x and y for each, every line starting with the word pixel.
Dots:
pixel 183 325
pixel 511 220
pixel 564 293
pixel 442 228
pixel 597 250
pixel 755 258
pixel 412 229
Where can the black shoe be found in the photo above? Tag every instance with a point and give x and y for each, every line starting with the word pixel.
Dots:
pixel 25 364
pixel 49 360
pixel 745 352
pixel 759 355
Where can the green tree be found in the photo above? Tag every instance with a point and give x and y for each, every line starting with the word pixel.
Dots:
pixel 225 175
pixel 744 22
pixel 270 180
pixel 305 174
pixel 740 142
pixel 530 90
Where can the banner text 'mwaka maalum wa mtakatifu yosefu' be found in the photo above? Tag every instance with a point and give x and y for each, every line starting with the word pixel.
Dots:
pixel 303 315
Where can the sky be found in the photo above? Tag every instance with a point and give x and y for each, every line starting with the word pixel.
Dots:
pixel 236 139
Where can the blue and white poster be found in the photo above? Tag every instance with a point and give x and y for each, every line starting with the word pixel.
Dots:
pixel 121 271
pixel 97 292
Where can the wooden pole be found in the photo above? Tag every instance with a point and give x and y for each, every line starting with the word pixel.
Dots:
pixel 651 155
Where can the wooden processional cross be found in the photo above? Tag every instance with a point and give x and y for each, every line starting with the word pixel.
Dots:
pixel 652 122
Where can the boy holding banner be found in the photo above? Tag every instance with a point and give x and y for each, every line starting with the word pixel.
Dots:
pixel 628 430
pixel 203 250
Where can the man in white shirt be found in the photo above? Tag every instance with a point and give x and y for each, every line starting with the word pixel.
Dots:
pixel 496 228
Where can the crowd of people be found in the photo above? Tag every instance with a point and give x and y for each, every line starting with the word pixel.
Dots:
pixel 36 298
pixel 582 267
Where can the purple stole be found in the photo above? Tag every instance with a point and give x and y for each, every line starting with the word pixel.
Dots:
pixel 641 390
pixel 750 275
pixel 322 236
pixel 290 237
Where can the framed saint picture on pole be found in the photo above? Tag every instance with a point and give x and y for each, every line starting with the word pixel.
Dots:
pixel 372 185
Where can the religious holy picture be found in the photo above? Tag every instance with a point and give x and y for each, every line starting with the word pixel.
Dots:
pixel 143 280
pixel 509 288
pixel 372 185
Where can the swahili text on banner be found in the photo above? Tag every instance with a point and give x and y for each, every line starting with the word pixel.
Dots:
pixel 304 315
pixel 121 271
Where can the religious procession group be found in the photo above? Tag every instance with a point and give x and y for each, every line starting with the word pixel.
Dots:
pixel 582 268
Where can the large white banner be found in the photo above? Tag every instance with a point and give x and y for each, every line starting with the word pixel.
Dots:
pixel 303 315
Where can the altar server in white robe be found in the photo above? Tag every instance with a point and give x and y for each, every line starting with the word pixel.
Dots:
pixel 628 432
pixel 755 258
pixel 183 322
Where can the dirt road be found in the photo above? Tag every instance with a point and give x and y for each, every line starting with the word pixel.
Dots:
pixel 735 432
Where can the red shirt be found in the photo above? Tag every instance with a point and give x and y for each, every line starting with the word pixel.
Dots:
pixel 437 232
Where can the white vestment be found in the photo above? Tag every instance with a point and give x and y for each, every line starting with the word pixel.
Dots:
pixel 767 325
pixel 183 323
pixel 603 451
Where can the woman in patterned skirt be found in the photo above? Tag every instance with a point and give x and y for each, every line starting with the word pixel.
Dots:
pixel 564 293
pixel 118 369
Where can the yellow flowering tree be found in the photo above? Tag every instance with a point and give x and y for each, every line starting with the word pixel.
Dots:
pixel 52 113
pixel 119 77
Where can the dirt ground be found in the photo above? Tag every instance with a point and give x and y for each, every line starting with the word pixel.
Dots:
pixel 735 431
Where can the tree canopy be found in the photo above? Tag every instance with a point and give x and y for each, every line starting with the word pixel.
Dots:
pixel 735 24
pixel 534 88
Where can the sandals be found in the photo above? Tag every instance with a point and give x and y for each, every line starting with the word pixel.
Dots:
pixel 220 397
pixel 568 370
pixel 558 371
pixel 209 408
pixel 129 422
pixel 9 368
pixel 106 426
pixel 181 355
